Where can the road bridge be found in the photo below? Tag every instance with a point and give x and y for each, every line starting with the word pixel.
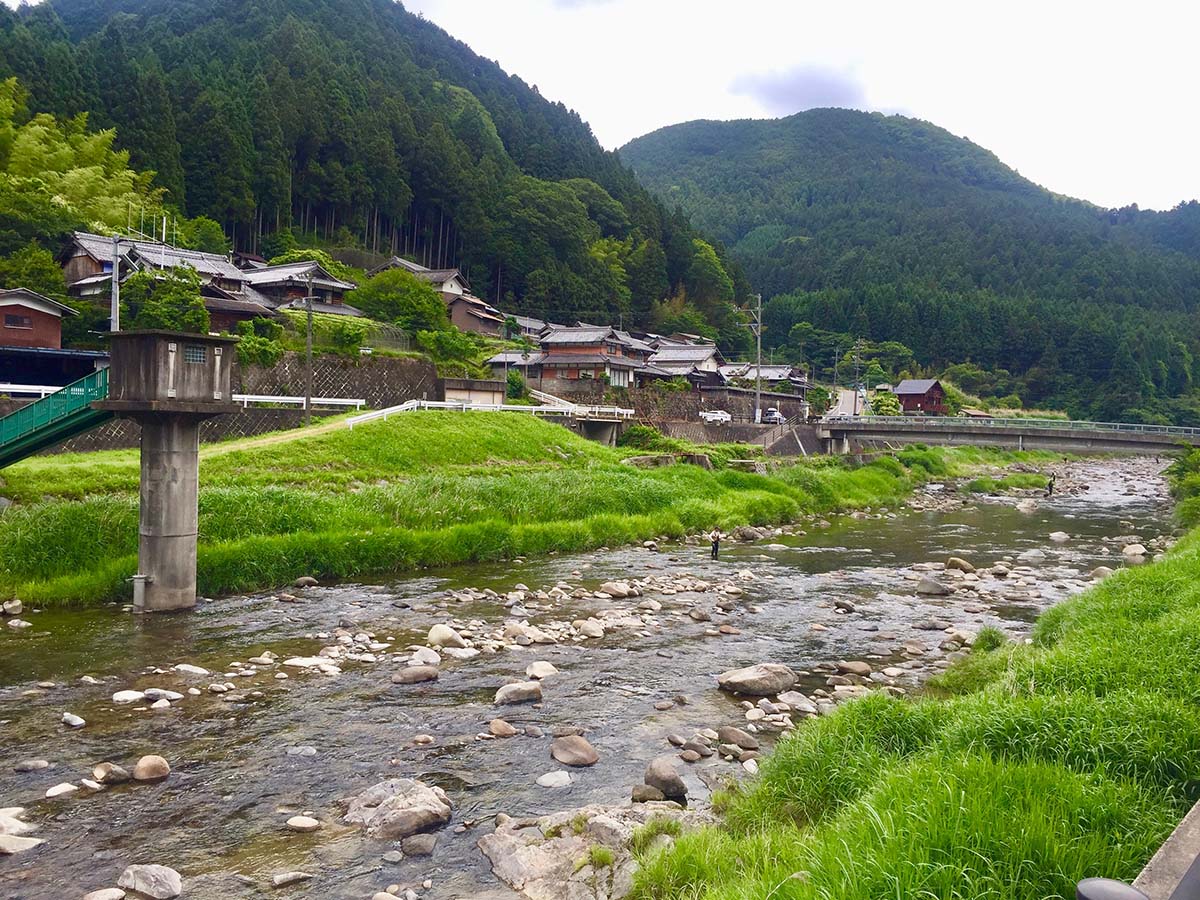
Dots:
pixel 840 434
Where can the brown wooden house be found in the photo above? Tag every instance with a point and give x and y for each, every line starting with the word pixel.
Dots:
pixel 921 397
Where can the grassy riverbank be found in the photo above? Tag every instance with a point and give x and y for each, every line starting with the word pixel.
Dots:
pixel 1042 764
pixel 423 489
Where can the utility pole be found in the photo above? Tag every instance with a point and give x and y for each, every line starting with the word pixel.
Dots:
pixel 758 365
pixel 114 316
pixel 857 347
pixel 308 365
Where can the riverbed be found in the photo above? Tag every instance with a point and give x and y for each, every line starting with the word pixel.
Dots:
pixel 245 760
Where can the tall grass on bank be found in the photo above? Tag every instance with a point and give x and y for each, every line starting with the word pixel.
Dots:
pixel 426 489
pixel 1046 763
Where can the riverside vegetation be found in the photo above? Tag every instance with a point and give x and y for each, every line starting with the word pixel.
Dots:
pixel 1026 768
pixel 423 489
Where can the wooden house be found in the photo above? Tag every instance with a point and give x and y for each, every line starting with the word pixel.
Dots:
pixel 921 397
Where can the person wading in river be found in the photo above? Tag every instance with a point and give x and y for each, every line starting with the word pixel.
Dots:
pixel 1050 487
pixel 715 537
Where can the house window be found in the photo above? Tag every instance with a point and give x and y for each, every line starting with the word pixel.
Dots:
pixel 14 321
pixel 194 353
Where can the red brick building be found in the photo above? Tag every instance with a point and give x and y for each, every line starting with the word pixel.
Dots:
pixel 27 319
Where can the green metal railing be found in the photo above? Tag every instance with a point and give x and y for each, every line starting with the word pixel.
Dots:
pixel 54 418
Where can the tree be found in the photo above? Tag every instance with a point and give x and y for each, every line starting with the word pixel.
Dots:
pixel 35 268
pixel 205 234
pixel 399 297
pixel 885 403
pixel 706 281
pixel 168 300
pixel 515 387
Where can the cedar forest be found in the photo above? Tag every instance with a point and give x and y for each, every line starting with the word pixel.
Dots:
pixel 271 126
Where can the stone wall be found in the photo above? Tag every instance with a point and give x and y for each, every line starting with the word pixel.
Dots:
pixel 380 380
pixel 657 406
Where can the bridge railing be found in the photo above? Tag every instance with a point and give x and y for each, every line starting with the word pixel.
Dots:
pixel 950 423
pixel 54 407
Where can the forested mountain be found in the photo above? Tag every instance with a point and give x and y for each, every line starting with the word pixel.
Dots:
pixel 887 228
pixel 354 122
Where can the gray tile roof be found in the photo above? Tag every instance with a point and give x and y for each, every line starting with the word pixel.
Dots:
pixel 680 352
pixel 586 335
pixel 915 385
pixel 295 273
pixel 157 255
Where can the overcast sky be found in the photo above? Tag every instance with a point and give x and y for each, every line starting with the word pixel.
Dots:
pixel 1091 99
pixel 1095 100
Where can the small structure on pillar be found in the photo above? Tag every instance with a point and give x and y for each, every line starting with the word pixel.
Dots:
pixel 169 382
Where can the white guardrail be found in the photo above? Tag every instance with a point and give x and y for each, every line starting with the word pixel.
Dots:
pixel 571 410
pixel 45 390
pixel 961 422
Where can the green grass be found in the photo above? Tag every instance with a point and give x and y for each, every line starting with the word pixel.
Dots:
pixel 1035 765
pixel 1014 481
pixel 644 835
pixel 420 490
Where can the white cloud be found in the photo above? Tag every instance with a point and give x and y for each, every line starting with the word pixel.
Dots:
pixel 1089 99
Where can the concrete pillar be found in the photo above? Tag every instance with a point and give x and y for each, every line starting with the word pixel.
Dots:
pixel 169 511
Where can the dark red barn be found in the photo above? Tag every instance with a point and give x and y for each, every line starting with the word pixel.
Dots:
pixel 921 397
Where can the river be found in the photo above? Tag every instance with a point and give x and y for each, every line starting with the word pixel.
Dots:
pixel 279 747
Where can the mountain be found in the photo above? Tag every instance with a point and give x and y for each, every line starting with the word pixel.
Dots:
pixel 888 228
pixel 356 123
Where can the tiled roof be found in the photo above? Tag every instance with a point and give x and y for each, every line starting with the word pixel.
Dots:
pixel 515 358
pixel 333 309
pixel 682 352
pixel 585 335
pixel 915 386
pixel 295 273
pixel 24 294
pixel 158 255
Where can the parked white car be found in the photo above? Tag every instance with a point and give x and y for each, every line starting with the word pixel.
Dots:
pixel 716 416
pixel 773 417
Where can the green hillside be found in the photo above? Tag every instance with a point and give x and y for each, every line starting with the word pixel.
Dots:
pixel 892 229
pixel 354 123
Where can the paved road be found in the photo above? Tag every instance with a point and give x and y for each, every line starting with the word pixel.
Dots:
pixel 845 404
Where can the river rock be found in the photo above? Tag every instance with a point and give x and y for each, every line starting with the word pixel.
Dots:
pixel 283 879
pixel 158 882
pixel 13 827
pixel 643 793
pixel 415 675
pixel 303 824
pixel 124 697
pixel 110 773
pixel 1100 573
pixel 520 692
pixel 729 735
pixel 61 790
pixel 574 750
pixel 441 635
pixel 424 656
pixel 73 721
pixel 539 670
pixel 398 807
pixel 662 774
pixel 540 859
pixel 555 779
pixel 31 765
pixel 500 728
pixel 1133 550
pixel 305 581
pixel 1034 555
pixel 11 843
pixel 19 624
pixel 764 679
pixel 105 894
pixel 853 667
pixel 189 669
pixel 1059 537
pixel 151 768
pixel 931 587
pixel 959 564
pixel 13 607
pixel 419 844
pixel 590 628
pixel 617 589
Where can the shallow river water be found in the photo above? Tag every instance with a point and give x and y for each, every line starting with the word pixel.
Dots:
pixel 219 818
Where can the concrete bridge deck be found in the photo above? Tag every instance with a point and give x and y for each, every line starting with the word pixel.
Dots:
pixel 839 433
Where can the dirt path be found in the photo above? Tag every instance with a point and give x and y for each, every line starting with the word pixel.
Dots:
pixel 278 437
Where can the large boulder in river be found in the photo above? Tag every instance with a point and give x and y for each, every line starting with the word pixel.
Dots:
pixel 521 692
pixel 441 635
pixel 398 807
pixel 574 750
pixel 762 680
pixel 957 562
pixel 159 882
pixel 931 587
pixel 661 774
